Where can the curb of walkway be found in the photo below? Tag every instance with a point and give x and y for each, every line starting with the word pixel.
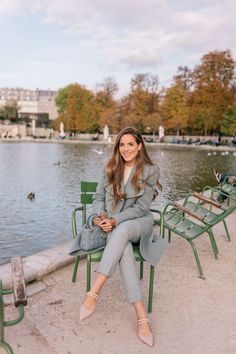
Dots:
pixel 39 264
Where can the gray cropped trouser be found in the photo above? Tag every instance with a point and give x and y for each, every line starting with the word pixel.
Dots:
pixel 119 250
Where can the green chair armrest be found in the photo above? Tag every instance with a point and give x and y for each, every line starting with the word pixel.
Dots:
pixel 180 208
pixel 206 200
pixel 74 224
pixel 159 222
pixel 187 211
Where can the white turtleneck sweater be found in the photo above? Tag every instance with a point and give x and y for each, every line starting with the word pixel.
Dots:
pixel 127 173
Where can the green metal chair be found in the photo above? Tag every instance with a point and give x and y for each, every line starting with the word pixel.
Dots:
pixel 86 199
pixel 20 300
pixel 187 224
pixel 87 190
pixel 194 202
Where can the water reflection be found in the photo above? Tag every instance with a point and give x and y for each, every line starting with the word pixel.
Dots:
pixel 30 226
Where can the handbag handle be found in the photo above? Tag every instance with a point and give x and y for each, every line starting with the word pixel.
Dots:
pixel 90 219
pixel 90 224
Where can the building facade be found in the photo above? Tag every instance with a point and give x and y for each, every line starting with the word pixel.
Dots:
pixel 31 103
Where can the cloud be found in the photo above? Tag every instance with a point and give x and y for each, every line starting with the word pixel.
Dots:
pixel 138 26
pixel 9 7
pixel 139 34
pixel 138 61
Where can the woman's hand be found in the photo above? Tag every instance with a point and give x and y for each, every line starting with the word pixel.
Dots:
pixel 98 219
pixel 107 224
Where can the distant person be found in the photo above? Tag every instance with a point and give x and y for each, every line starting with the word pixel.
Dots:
pixel 96 136
pixel 227 177
pixel 122 209
pixel 233 140
pixel 221 178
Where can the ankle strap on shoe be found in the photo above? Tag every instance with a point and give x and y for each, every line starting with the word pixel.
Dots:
pixel 142 320
pixel 91 294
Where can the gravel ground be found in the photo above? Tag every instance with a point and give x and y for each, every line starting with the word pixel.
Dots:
pixel 190 315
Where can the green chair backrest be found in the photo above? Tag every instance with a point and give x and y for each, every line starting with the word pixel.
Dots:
pixel 87 190
pixel 86 197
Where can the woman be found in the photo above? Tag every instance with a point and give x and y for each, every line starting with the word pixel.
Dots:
pixel 121 206
pixel 225 178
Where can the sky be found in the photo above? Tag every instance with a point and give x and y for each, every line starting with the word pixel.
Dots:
pixel 48 44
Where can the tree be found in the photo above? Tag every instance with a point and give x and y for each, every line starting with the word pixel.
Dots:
pixel 216 66
pixel 144 99
pixel 185 74
pixel 152 122
pixel 61 98
pixel 76 105
pixel 10 111
pixel 108 86
pixel 175 107
pixel 228 126
pixel 56 122
pixel 80 110
pixel 105 104
pixel 212 90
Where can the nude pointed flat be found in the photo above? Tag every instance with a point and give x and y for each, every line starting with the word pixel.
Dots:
pixel 84 312
pixel 145 338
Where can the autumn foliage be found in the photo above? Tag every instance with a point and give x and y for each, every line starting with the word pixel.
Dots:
pixel 198 101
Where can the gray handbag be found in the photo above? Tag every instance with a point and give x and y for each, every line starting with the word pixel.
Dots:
pixel 91 238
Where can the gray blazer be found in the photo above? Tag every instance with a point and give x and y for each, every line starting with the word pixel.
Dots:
pixel 134 206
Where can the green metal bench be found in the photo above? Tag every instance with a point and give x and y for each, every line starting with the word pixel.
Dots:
pixel 86 198
pixel 19 297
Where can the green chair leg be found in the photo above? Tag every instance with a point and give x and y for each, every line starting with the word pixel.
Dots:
pixel 197 259
pixel 88 280
pixel 141 270
pixel 226 230
pixel 151 282
pixel 77 258
pixel 3 323
pixel 213 244
pixel 7 347
pixel 169 236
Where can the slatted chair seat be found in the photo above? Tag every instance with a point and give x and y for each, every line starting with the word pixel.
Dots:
pixel 203 207
pixel 189 229
pixel 206 214
pixel 175 220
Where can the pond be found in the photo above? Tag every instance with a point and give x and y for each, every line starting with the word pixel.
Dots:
pixel 53 171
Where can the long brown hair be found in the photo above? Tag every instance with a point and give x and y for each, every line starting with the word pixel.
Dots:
pixel 115 166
